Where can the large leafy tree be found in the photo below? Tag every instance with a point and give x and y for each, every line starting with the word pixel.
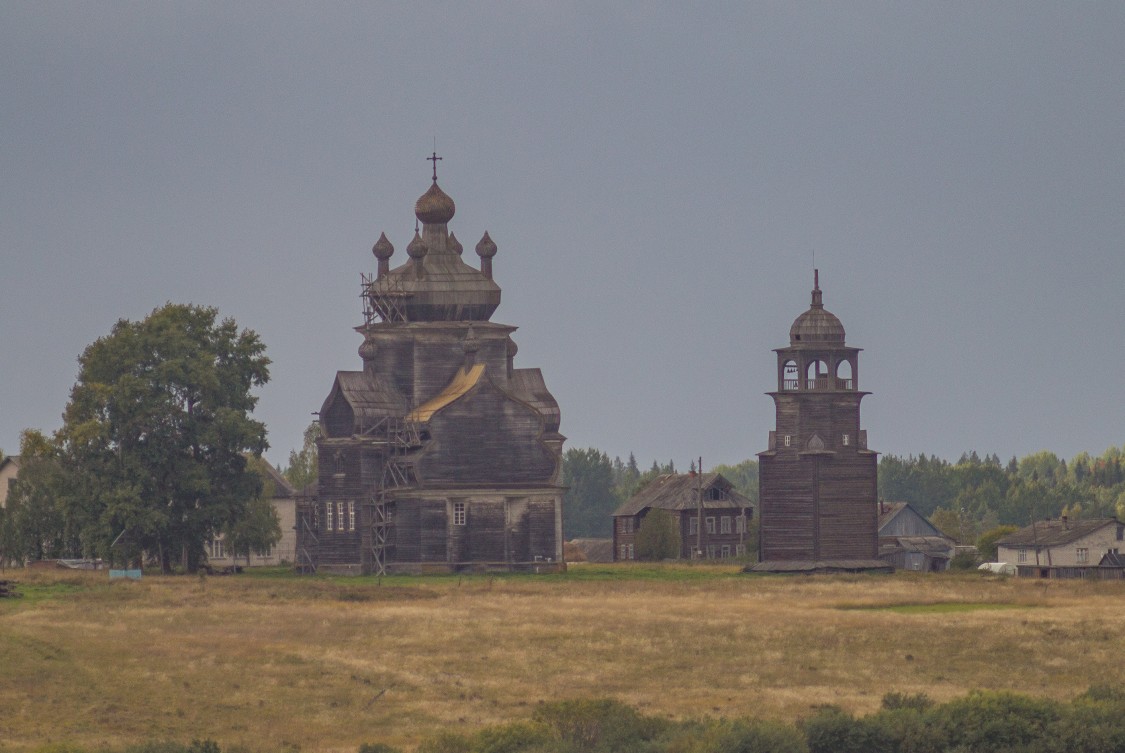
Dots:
pixel 158 428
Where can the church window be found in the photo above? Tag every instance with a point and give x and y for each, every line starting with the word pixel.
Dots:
pixel 724 524
pixel 844 380
pixel 458 513
pixel 788 440
pixel 328 521
pixel 351 516
pixel 339 516
pixel 846 440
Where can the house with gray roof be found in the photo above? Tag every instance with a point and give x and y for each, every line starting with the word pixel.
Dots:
pixel 1065 548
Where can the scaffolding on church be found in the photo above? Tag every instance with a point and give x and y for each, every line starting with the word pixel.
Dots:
pixel 388 303
pixel 397 437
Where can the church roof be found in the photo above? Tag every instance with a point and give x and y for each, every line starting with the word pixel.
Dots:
pixel 435 284
pixel 817 325
pixel 368 397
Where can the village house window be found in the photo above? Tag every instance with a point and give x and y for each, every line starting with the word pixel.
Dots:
pixel 328 521
pixel 1083 554
pixel 715 493
pixel 458 513
pixel 693 526
pixel 724 524
pixel 351 516
pixel 217 549
pixel 630 551
pixel 739 525
pixel 710 551
pixel 726 551
pixel 739 550
pixel 626 525
pixel 710 525
pixel 1021 555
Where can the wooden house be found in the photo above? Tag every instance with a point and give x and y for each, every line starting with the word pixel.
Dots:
pixel 9 471
pixel 910 542
pixel 818 479
pixel 1064 548
pixel 439 454
pixel 710 517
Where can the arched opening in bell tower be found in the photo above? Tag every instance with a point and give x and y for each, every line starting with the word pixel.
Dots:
pixel 790 376
pixel 845 379
pixel 817 375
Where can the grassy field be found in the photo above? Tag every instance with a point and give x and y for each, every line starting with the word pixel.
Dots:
pixel 272 661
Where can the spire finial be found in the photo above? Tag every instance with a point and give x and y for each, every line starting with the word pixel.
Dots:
pixel 817 295
pixel 434 158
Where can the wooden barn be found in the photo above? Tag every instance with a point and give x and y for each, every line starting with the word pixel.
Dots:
pixel 439 454
pixel 711 518
pixel 818 479
pixel 910 542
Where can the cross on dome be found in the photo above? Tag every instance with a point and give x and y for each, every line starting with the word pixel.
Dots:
pixel 434 158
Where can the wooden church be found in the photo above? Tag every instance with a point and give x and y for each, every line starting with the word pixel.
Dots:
pixel 439 454
pixel 818 479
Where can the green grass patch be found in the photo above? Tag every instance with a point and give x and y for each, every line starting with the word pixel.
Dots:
pixel 941 607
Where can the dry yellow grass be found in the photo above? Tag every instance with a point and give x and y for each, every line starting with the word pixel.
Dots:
pixel 325 665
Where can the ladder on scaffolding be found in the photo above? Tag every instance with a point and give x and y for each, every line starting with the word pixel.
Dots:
pixel 401 436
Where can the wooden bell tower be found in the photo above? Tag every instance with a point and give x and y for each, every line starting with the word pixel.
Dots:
pixel 818 480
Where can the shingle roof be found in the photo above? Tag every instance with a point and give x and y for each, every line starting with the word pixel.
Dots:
pixel 1045 533
pixel 680 491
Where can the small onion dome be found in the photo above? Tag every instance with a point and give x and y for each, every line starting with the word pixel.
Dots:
pixel 434 207
pixel 382 248
pixel 486 249
pixel 367 350
pixel 455 245
pixel 417 248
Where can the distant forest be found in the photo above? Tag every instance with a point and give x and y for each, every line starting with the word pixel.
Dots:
pixel 964 499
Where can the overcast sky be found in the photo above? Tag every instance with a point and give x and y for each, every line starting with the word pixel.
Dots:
pixel 657 176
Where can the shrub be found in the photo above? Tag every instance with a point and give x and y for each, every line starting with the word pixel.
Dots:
pixel 658 536
pixel 963 561
pixel 995 722
pixel 759 737
pixel 599 725
pixel 916 701
pixel 516 737
pixel 831 730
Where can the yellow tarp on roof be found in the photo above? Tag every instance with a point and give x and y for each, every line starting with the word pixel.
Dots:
pixel 462 382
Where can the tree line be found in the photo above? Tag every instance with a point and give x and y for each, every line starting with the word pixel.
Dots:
pixel 965 499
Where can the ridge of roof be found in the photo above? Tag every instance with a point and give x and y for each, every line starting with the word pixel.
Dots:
pixel 1055 532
